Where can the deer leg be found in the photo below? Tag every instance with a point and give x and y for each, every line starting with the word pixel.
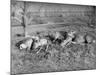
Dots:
pixel 47 47
pixel 39 50
pixel 69 43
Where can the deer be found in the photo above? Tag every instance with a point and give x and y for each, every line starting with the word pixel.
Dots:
pixel 68 40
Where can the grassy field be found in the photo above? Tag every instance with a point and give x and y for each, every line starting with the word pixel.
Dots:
pixel 72 57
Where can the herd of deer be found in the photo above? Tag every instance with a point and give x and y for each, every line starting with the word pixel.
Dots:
pixel 62 38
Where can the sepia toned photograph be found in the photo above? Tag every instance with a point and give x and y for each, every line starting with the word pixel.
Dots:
pixel 52 37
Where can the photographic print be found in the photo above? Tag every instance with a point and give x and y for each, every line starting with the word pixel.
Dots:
pixel 51 37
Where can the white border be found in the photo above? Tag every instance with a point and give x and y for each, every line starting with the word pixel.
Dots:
pixel 5 36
